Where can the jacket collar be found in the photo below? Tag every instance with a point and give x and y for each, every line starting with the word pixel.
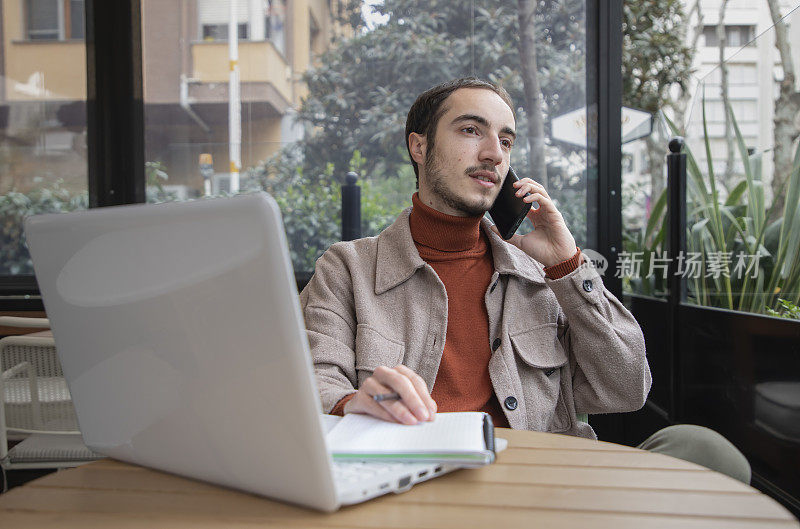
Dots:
pixel 398 258
pixel 510 260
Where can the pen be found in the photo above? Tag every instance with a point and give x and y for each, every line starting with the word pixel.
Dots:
pixel 386 396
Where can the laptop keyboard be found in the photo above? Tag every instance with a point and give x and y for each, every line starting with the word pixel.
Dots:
pixel 349 472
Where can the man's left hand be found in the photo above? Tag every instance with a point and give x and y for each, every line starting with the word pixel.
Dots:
pixel 551 241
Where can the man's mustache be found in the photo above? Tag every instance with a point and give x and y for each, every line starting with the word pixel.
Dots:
pixel 489 167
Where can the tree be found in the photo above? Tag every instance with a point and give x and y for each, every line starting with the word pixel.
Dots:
pixel 362 89
pixel 681 103
pixel 532 89
pixel 359 96
pixel 730 148
pixel 787 110
pixel 347 15
pixel 654 59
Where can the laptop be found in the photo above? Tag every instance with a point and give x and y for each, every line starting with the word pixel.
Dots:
pixel 182 341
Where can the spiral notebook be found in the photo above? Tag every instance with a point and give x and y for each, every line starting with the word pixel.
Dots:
pixel 465 438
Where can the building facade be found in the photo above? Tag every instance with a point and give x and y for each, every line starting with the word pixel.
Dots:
pixel 753 70
pixel 185 85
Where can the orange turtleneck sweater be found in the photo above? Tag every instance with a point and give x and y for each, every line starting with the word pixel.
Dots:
pixel 460 254
pixel 459 251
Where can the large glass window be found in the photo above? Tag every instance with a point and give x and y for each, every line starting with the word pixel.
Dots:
pixel 335 97
pixel 738 114
pixel 657 56
pixel 742 249
pixel 43 166
pixel 744 176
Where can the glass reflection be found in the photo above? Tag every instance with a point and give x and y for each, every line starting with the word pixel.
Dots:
pixel 43 165
pixel 743 183
pixel 333 98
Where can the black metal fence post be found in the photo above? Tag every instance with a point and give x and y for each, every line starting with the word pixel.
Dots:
pixel 676 185
pixel 351 208
pixel 114 102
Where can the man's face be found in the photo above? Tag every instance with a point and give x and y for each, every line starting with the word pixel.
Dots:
pixel 464 171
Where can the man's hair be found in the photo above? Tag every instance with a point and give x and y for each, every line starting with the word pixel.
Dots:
pixel 429 107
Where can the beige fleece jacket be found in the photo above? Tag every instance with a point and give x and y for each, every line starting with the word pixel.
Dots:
pixel 560 347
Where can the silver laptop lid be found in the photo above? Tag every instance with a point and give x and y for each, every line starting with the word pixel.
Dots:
pixel 181 338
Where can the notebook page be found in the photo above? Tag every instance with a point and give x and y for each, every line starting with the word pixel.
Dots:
pixel 449 432
pixel 329 421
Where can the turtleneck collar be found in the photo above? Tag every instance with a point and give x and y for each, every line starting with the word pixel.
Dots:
pixel 437 230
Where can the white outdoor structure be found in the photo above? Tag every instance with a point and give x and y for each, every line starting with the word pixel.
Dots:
pixel 234 103
pixel 35 404
pixel 753 72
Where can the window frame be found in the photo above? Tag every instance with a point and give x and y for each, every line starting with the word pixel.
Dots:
pixel 115 124
pixel 243 29
pixel 64 24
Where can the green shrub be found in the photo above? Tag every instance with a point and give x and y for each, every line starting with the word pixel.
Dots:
pixel 15 207
pixel 311 206
pixel 787 309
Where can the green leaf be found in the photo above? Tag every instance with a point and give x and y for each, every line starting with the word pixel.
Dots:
pixel 736 194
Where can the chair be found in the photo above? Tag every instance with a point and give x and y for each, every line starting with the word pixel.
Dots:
pixel 35 405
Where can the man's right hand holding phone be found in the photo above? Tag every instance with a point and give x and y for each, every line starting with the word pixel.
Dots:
pixel 414 405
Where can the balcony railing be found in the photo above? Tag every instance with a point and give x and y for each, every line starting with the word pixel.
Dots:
pixel 259 62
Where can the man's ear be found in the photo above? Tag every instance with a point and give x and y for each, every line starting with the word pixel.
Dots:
pixel 418 146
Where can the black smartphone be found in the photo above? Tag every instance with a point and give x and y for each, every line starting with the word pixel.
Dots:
pixel 509 210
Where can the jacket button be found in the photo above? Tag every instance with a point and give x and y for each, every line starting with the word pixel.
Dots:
pixel 494 285
pixel 495 344
pixel 588 285
pixel 510 403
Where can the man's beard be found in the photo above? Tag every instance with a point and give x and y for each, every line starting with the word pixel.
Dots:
pixel 433 171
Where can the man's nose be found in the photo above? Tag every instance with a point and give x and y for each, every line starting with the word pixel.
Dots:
pixel 491 151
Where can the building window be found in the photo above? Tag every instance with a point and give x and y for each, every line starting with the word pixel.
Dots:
pixel 744 110
pixel 220 32
pixel 738 74
pixel 77 19
pixel 214 16
pixel 736 36
pixel 274 21
pixel 54 19
pixel 313 38
pixel 257 21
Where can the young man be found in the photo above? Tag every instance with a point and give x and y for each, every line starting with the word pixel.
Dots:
pixel 443 312
pixel 440 302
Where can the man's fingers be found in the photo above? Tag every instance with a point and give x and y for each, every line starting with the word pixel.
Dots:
pixel 545 204
pixel 364 403
pixel 421 387
pixel 415 403
pixel 400 411
pixel 526 185
pixel 390 410
pixel 400 382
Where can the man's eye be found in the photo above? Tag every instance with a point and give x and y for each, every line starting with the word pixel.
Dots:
pixel 469 130
pixel 507 143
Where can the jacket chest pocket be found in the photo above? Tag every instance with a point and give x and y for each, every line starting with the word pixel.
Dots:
pixel 373 350
pixel 541 363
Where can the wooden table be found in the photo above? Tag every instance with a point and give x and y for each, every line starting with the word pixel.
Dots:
pixel 541 480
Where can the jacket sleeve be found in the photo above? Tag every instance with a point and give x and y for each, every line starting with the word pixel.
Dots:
pixel 604 344
pixel 328 309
